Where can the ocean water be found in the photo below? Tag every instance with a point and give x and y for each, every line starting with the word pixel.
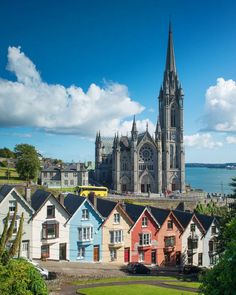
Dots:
pixel 212 180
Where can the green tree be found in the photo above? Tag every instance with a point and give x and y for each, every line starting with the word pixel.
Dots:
pixel 222 279
pixel 4 235
pixel 28 163
pixel 6 153
pixel 11 227
pixel 16 245
pixel 233 185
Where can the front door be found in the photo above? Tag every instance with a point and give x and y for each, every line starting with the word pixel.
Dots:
pixel 124 189
pixel 127 255
pixel 154 257
pixel 96 253
pixel 178 258
pixel 25 249
pixel 62 251
pixel 142 188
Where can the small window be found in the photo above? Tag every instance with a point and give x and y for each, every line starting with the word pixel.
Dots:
pixel 12 206
pixel 66 174
pixel 72 182
pixel 15 228
pixel 200 259
pixel 145 239
pixel 85 214
pixel 169 241
pixel 170 224
pixel 116 218
pixel 213 230
pixel 192 227
pixel 81 252
pixel 113 254
pixel 75 174
pixel 66 182
pixel 190 259
pixel 85 233
pixel 116 237
pixel 45 253
pixel 51 211
pixel 144 222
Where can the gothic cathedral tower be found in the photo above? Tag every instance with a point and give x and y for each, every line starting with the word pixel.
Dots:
pixel 171 122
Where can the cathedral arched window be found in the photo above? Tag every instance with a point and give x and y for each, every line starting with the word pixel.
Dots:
pixel 171 156
pixel 173 116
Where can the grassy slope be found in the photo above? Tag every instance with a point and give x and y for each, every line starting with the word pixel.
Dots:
pixel 133 290
pixel 14 178
pixel 185 284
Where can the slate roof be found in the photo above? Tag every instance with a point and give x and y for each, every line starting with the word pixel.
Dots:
pixel 38 198
pixel 104 207
pixel 4 191
pixel 134 211
pixel 159 214
pixel 73 202
pixel 205 220
pixel 183 217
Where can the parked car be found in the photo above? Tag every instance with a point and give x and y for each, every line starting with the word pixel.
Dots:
pixel 193 269
pixel 43 271
pixel 137 268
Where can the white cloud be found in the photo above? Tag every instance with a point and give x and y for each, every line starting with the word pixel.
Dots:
pixel 231 139
pixel 126 126
pixel 221 106
pixel 201 141
pixel 31 102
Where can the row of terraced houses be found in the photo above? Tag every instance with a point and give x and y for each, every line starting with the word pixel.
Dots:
pixel 92 229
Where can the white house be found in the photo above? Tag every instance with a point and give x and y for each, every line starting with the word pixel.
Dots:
pixel 50 235
pixel 9 197
pixel 210 239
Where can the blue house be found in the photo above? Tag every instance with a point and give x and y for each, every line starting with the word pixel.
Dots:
pixel 85 233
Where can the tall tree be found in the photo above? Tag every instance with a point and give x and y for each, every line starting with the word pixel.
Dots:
pixel 233 185
pixel 4 235
pixel 28 163
pixel 16 245
pixel 11 227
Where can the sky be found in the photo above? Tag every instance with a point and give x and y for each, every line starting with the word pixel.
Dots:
pixel 71 68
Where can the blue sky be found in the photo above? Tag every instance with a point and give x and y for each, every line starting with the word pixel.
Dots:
pixel 68 68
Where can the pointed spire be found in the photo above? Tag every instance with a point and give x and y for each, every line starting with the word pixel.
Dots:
pixel 170 57
pixel 147 126
pixel 134 131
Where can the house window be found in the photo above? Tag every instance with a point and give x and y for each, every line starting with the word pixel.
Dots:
pixel 190 259
pixel 192 243
pixel 213 230
pixel 144 239
pixel 170 224
pixel 85 214
pixel 45 253
pixel 12 206
pixel 141 256
pixel 116 236
pixel 50 231
pixel 81 252
pixel 66 182
pixel 113 254
pixel 212 246
pixel 15 228
pixel 85 234
pixel 200 259
pixel 72 182
pixel 169 241
pixel 45 174
pixel 193 227
pixel 66 174
pixel 51 211
pixel 116 218
pixel 144 222
pixel 213 259
pixel 75 174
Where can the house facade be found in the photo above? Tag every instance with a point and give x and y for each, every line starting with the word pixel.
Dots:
pixel 85 233
pixel 50 235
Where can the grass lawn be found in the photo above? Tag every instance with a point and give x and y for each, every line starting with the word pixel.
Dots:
pixel 14 177
pixel 124 279
pixel 185 284
pixel 133 290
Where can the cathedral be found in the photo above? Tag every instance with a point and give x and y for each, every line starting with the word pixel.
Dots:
pixel 143 162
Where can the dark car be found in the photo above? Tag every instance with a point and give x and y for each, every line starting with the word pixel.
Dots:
pixel 137 268
pixel 192 269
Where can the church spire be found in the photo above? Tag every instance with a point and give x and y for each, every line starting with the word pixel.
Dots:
pixel 170 57
pixel 134 132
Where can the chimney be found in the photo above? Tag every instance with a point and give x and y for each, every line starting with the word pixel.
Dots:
pixel 28 194
pixel 61 199
pixel 123 205
pixel 93 199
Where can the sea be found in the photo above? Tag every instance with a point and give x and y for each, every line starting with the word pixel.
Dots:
pixel 211 180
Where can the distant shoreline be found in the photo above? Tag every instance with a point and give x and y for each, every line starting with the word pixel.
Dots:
pixel 230 166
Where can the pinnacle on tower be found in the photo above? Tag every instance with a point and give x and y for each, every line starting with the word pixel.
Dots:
pixel 134 131
pixel 170 57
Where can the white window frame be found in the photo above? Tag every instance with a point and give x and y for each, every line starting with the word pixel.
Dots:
pixel 145 239
pixel 117 218
pixel 12 206
pixel 85 214
pixel 113 254
pixel 85 234
pixel 144 221
pixel 141 256
pixel 116 236
pixel 81 253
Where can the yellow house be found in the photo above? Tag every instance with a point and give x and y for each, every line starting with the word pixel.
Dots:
pixel 116 239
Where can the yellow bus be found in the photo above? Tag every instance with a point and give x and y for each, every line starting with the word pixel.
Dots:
pixel 98 191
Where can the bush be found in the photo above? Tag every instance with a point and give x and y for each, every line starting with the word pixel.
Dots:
pixel 3 164
pixel 20 277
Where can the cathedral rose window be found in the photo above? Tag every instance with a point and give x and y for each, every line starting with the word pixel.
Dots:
pixel 146 153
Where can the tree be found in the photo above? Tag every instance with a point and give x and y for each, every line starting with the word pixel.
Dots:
pixel 221 279
pixel 28 163
pixel 233 185
pixel 16 245
pixel 6 153
pixel 4 235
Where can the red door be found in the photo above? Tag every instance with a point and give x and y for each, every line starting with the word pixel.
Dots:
pixel 127 254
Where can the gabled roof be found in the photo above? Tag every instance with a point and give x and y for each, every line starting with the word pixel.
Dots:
pixel 73 202
pixel 38 198
pixel 4 191
pixel 205 220
pixel 183 217
pixel 159 214
pixel 104 207
pixel 134 211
